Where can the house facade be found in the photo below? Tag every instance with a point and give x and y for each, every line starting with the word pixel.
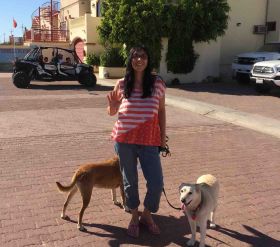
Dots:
pixel 241 36
pixel 47 27
pixel 67 24
pixel 251 25
pixel 82 17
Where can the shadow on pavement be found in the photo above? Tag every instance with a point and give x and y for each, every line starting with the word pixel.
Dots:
pixel 53 87
pixel 228 88
pixel 255 239
pixel 173 231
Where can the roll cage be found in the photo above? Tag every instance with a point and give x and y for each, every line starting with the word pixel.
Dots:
pixel 35 53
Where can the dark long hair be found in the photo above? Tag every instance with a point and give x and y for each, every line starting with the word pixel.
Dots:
pixel 148 79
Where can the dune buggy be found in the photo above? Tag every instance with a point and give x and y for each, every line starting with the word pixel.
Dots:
pixel 52 64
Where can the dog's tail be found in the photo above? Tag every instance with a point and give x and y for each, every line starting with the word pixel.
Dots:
pixel 67 188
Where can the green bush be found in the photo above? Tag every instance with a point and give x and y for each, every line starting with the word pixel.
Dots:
pixel 184 23
pixel 93 59
pixel 112 57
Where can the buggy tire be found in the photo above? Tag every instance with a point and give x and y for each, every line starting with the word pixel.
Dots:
pixel 89 80
pixel 21 80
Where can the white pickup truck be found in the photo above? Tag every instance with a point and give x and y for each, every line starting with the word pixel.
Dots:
pixel 266 75
pixel 243 63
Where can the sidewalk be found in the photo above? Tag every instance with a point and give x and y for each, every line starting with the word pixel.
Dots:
pixel 255 122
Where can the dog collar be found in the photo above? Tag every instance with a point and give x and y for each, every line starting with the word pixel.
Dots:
pixel 193 213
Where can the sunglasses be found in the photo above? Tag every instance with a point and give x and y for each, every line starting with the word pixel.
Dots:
pixel 142 56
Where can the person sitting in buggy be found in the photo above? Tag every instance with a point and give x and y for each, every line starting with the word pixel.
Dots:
pixel 58 60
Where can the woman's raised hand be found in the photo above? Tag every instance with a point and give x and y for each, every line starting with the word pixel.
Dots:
pixel 114 100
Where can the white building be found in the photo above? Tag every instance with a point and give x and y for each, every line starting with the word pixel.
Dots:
pixel 252 23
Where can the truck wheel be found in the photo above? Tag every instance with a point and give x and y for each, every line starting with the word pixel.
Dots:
pixel 243 79
pixel 263 89
pixel 88 80
pixel 21 80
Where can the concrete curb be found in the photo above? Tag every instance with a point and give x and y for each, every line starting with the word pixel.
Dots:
pixel 255 122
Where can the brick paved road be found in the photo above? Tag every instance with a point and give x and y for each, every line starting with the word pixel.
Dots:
pixel 48 130
pixel 232 95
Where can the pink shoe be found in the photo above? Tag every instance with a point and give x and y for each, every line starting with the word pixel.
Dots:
pixel 133 230
pixel 152 227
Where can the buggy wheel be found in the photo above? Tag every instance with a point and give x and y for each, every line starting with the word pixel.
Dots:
pixel 21 80
pixel 89 80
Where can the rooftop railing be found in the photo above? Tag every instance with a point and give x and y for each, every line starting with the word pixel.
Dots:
pixel 43 35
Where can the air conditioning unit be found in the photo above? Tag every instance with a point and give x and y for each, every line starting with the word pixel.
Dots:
pixel 259 29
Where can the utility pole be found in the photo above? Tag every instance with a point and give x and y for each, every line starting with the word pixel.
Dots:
pixel 13 39
pixel 51 10
pixel 11 35
pixel 23 32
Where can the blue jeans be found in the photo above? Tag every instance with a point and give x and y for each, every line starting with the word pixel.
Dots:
pixel 151 166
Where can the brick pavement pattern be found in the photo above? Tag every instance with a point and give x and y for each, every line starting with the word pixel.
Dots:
pixel 231 95
pixel 48 130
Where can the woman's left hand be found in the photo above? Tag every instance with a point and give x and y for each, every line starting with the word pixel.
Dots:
pixel 163 144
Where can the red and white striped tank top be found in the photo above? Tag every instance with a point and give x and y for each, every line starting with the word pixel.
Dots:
pixel 138 117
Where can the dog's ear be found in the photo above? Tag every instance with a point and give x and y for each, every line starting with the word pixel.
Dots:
pixel 181 186
pixel 199 186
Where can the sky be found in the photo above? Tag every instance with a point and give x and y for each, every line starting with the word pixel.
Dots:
pixel 21 11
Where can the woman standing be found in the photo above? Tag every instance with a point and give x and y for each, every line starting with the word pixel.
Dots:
pixel 139 100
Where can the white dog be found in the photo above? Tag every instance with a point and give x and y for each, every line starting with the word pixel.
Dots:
pixel 199 203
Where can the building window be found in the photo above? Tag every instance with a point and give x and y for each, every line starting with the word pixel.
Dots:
pixel 271 26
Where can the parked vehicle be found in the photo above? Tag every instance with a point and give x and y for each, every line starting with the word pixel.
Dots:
pixel 266 75
pixel 243 63
pixel 52 64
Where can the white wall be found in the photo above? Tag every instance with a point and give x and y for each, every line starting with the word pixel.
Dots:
pixel 206 65
pixel 216 57
pixel 239 37
pixel 273 15
pixel 70 8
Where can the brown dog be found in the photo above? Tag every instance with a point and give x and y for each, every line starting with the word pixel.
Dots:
pixel 103 175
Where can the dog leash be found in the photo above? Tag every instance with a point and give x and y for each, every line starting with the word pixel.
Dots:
pixel 163 190
pixel 166 152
